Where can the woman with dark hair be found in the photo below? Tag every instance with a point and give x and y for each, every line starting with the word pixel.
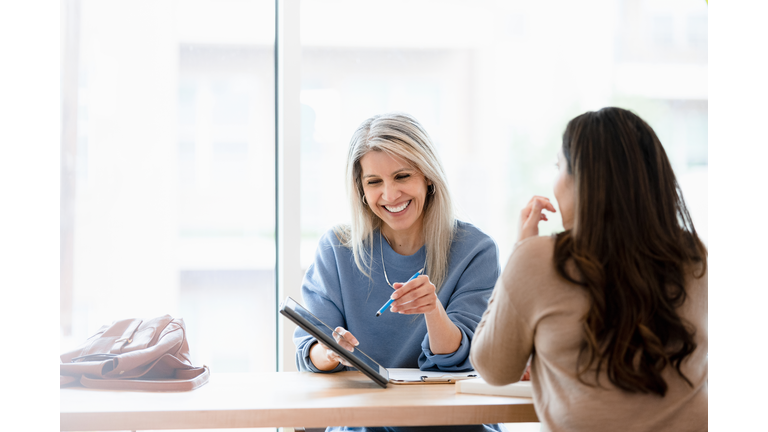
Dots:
pixel 612 312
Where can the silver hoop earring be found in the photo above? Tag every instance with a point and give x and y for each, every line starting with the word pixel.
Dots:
pixel 431 189
pixel 364 201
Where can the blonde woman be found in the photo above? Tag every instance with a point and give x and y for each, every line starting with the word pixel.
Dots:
pixel 402 223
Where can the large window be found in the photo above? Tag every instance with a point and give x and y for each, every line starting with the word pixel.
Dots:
pixel 168 172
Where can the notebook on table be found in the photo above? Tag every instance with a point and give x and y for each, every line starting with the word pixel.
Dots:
pixel 479 386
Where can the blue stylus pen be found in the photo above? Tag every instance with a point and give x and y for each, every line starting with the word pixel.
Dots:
pixel 388 303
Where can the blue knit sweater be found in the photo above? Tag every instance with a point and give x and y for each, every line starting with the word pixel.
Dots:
pixel 337 292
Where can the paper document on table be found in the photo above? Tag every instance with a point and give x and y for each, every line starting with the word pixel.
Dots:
pixel 416 376
pixel 479 386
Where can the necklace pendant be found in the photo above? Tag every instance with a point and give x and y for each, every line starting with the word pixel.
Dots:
pixel 384 268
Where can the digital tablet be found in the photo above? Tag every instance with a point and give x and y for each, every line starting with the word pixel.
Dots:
pixel 323 333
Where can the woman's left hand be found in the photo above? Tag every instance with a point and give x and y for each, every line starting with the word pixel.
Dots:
pixel 531 215
pixel 415 297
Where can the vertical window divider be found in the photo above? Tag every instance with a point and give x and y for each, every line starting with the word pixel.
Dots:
pixel 287 170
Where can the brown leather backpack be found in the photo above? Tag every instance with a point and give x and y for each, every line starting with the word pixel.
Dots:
pixel 134 354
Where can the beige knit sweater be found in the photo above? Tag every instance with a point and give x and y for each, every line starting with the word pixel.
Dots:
pixel 535 311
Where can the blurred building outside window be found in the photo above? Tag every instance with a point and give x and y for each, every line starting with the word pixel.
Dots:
pixel 494 83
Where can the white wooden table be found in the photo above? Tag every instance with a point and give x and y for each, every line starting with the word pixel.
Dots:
pixel 286 399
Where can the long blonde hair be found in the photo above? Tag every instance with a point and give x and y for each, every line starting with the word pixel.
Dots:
pixel 399 135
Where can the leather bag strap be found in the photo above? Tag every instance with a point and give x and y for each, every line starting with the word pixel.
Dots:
pixel 185 380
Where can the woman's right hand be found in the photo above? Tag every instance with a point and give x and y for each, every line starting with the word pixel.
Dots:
pixel 531 215
pixel 325 358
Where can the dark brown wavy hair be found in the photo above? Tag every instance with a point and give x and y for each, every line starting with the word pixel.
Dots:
pixel 632 242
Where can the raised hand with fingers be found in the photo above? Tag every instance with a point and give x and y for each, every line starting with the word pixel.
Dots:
pixel 531 215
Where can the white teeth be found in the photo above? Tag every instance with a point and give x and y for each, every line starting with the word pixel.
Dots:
pixel 399 208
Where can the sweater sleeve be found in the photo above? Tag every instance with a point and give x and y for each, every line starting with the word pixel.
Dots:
pixel 321 294
pixel 466 304
pixel 504 338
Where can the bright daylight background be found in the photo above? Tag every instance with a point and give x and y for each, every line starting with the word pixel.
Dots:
pixel 167 159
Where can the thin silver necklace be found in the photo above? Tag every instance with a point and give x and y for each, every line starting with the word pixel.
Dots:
pixel 381 249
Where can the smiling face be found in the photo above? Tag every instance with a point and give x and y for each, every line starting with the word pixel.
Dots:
pixel 395 192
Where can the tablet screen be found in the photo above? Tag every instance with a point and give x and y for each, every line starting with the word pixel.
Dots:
pixel 322 332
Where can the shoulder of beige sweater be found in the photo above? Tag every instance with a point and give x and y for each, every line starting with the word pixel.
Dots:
pixel 533 247
pixel 529 279
pixel 531 254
